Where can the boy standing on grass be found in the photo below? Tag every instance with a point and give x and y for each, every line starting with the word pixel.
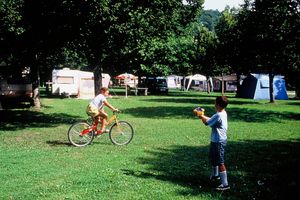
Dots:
pixel 218 124
pixel 96 108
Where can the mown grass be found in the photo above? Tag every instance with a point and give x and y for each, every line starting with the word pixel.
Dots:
pixel 167 158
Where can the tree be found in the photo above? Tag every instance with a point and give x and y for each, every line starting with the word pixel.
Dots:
pixel 209 19
pixel 148 28
pixel 32 31
pixel 129 35
pixel 263 38
pixel 268 33
pixel 108 35
pixel 227 50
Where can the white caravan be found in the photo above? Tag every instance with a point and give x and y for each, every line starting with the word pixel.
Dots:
pixel 77 83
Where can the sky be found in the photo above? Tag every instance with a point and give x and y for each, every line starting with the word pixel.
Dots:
pixel 220 4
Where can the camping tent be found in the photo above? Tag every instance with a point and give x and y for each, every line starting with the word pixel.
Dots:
pixel 174 81
pixel 256 86
pixel 75 83
pixel 196 81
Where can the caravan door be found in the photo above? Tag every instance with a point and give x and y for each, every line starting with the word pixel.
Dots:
pixel 86 85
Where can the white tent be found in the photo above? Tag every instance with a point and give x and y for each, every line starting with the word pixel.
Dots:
pixel 75 83
pixel 174 81
pixel 197 81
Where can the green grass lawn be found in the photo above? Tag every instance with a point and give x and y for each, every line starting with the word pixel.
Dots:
pixel 167 158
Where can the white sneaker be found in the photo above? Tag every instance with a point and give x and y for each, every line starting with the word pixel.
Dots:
pixel 106 130
pixel 222 187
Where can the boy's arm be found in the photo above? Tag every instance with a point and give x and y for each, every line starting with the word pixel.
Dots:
pixel 110 106
pixel 204 119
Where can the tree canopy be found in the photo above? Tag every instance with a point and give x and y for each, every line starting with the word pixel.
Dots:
pixel 261 37
pixel 150 37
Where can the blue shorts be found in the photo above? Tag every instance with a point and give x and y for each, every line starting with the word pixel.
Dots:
pixel 216 153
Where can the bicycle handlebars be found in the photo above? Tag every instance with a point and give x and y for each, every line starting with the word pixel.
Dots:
pixel 117 111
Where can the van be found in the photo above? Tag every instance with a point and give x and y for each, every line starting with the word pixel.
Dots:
pixel 155 85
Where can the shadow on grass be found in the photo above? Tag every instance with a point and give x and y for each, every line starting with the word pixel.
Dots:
pixel 254 115
pixel 256 169
pixel 294 103
pixel 57 143
pixel 234 114
pixel 201 100
pixel 20 119
pixel 195 101
pixel 193 93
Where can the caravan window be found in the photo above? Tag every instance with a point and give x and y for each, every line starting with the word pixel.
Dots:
pixel 65 80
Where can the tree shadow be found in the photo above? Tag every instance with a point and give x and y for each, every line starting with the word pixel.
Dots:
pixel 254 115
pixel 293 103
pixel 234 114
pixel 17 103
pixel 194 93
pixel 202 100
pixel 255 170
pixel 57 143
pixel 195 101
pixel 20 119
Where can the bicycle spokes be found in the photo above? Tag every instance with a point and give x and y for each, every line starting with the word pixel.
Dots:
pixel 121 133
pixel 80 134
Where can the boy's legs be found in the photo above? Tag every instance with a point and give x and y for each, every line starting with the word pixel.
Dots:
pixel 98 115
pixel 222 168
pixel 216 154
pixel 223 175
pixel 103 118
pixel 214 159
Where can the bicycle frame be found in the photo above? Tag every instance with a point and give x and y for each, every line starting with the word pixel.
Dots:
pixel 82 133
pixel 112 119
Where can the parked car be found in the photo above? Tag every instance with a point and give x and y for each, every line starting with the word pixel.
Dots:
pixel 155 85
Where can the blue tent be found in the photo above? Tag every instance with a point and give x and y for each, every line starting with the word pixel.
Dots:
pixel 256 86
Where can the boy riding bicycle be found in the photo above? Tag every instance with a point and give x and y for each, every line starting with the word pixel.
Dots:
pixel 96 108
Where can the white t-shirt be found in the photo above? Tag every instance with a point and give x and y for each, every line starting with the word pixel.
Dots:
pixel 98 101
pixel 218 124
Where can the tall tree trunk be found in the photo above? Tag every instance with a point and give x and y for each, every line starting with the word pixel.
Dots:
pixel 36 95
pixel 97 79
pixel 208 84
pixel 35 79
pixel 271 88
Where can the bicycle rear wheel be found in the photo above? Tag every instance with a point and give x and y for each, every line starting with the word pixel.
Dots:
pixel 75 137
pixel 121 133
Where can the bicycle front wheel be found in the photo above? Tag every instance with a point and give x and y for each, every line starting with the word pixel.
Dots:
pixel 121 133
pixel 76 138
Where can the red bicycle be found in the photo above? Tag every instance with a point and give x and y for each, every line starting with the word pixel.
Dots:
pixel 83 133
